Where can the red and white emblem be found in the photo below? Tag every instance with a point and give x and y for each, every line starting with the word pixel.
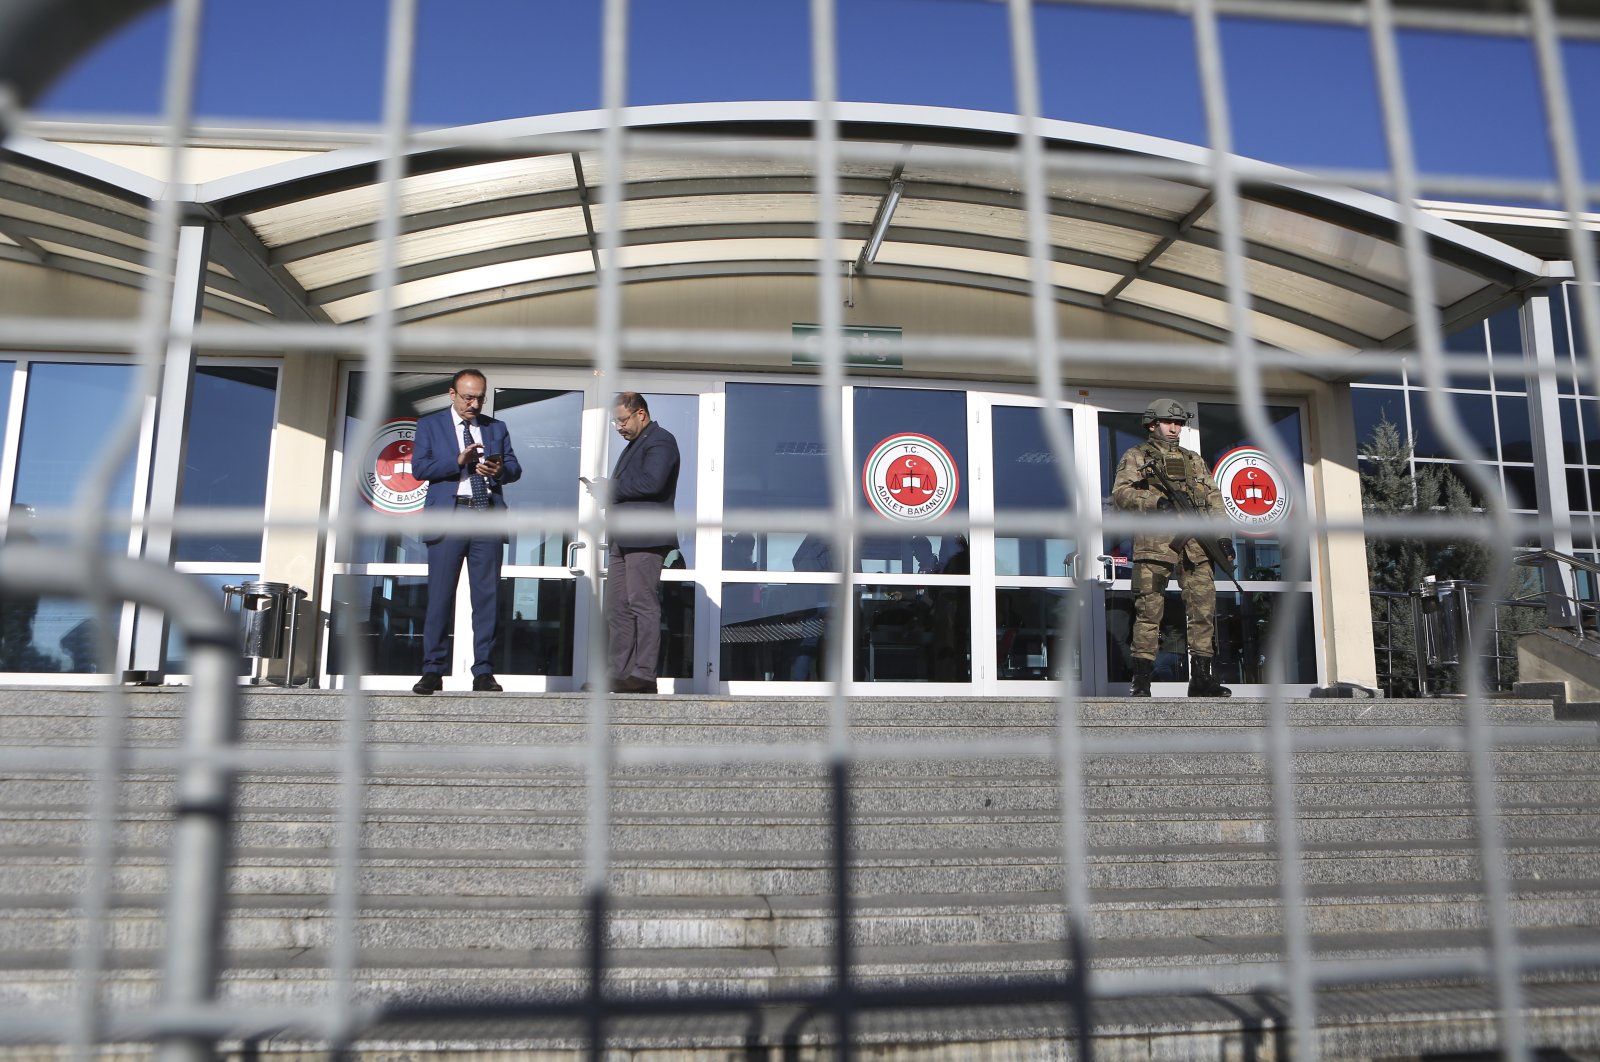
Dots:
pixel 1252 490
pixel 910 477
pixel 386 480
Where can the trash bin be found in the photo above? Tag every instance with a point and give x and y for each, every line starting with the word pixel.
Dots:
pixel 1441 611
pixel 269 615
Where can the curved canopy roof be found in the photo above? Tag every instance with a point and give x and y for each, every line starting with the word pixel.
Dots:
pixel 510 210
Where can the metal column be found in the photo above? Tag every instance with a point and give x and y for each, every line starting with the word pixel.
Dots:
pixel 171 432
pixel 1549 459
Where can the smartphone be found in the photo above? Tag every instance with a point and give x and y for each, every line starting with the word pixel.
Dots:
pixel 488 457
pixel 584 480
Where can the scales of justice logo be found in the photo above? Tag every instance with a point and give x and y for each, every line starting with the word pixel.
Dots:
pixel 910 477
pixel 1252 489
pixel 387 483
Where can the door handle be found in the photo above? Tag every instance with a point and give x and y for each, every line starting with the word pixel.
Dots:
pixel 1108 568
pixel 572 557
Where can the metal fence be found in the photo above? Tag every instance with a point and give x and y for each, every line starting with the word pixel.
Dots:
pixel 37 39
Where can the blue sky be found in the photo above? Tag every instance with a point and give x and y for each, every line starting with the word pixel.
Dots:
pixel 1299 95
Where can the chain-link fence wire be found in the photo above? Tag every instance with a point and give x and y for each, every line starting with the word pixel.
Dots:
pixel 38 40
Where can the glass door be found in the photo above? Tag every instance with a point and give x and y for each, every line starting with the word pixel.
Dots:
pixel 1039 569
pixel 1272 590
pixel 545 589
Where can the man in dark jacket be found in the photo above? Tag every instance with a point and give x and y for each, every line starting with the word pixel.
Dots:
pixel 645 480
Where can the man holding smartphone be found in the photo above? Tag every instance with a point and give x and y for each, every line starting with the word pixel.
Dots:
pixel 466 459
pixel 644 481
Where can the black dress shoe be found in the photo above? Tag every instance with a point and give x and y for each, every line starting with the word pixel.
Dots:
pixel 428 683
pixel 486 684
pixel 634 684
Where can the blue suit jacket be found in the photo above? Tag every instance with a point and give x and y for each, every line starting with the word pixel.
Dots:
pixel 646 480
pixel 433 458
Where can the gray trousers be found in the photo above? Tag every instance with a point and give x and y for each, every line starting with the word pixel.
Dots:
pixel 633 610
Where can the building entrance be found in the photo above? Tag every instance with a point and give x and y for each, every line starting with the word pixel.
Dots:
pixel 984 568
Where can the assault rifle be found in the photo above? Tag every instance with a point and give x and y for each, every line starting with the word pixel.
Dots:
pixel 1220 551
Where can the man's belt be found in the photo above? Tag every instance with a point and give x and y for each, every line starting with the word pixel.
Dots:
pixel 464 502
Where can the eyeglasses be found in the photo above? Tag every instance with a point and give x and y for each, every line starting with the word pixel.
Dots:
pixel 471 400
pixel 620 421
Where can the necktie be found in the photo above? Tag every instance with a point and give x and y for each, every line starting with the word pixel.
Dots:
pixel 480 489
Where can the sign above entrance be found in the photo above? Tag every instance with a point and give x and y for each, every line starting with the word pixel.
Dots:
pixel 386 480
pixel 1253 490
pixel 882 342
pixel 910 477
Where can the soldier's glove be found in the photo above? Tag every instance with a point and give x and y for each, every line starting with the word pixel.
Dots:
pixel 1163 504
pixel 1228 551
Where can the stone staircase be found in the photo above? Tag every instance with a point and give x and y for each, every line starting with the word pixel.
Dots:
pixel 720 877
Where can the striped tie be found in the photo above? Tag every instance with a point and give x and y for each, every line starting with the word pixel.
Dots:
pixel 480 489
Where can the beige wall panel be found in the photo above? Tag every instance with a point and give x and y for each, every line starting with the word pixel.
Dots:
pixel 773 304
pixel 34 291
pixel 298 481
pixel 1336 485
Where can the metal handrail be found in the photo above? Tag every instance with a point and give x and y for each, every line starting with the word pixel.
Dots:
pixel 1535 556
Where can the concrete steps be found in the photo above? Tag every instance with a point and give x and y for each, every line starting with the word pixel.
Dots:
pixel 471 873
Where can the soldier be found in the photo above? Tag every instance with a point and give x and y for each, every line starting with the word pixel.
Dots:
pixel 1138 488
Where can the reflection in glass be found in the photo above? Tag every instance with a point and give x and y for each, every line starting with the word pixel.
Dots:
pixel 1242 633
pixel 225 455
pixel 546 428
pixel 1117 433
pixel 52 635
pixel 52 462
pixel 387 612
pixel 677 629
pixel 916 555
pixel 773 457
pixel 1028 634
pixel 175 659
pixel 1476 414
pixel 913 634
pixel 537 620
pixel 1027 478
pixel 883 412
pixel 774 632
pixel 413 394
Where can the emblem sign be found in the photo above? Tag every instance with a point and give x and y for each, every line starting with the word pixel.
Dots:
pixel 386 480
pixel 1252 490
pixel 910 477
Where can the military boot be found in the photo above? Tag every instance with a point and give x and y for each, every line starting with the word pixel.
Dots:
pixel 1202 683
pixel 1142 670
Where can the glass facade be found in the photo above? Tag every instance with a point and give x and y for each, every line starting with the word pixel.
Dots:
pixel 49 634
pixel 1491 404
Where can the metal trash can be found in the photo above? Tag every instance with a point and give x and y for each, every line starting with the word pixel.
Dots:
pixel 269 615
pixel 1441 611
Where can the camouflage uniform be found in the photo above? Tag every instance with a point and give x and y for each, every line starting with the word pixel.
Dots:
pixel 1154 557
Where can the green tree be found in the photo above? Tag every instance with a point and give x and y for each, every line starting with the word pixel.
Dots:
pixel 1399 564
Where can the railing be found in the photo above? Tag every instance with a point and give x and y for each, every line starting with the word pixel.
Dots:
pixel 1407 669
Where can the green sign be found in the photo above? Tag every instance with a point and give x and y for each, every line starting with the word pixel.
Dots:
pixel 882 346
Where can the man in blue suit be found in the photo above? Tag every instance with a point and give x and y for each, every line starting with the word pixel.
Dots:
pixel 466 458
pixel 645 480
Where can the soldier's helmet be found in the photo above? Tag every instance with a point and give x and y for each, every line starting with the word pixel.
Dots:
pixel 1165 409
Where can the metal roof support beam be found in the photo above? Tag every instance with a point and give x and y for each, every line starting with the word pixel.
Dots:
pixel 1161 247
pixel 1549 460
pixel 240 252
pixel 24 243
pixel 588 213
